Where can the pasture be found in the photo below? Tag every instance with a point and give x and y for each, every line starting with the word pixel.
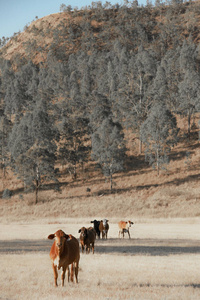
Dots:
pixel 160 261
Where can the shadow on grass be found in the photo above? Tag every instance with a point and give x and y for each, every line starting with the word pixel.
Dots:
pixel 193 285
pixel 134 165
pixel 177 182
pixel 25 246
pixel 151 247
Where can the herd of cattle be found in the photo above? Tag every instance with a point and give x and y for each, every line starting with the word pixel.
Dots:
pixel 65 249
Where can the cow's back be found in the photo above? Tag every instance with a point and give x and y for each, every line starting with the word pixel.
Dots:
pixel 71 250
pixel 101 226
pixel 91 234
pixel 122 225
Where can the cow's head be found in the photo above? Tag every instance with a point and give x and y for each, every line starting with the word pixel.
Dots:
pixel 105 221
pixel 60 238
pixel 95 222
pixel 130 223
pixel 83 232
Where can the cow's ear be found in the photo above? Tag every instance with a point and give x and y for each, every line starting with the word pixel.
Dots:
pixel 79 231
pixel 66 236
pixel 51 236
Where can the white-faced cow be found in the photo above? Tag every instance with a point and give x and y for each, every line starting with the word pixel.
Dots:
pixel 124 227
pixel 104 227
pixel 64 252
pixel 87 238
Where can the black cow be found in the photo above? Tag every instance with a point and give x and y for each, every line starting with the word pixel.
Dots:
pixel 96 227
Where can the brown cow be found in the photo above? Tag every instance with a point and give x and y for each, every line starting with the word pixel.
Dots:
pixel 104 227
pixel 124 227
pixel 87 238
pixel 64 252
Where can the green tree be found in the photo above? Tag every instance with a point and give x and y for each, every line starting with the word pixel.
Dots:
pixel 159 88
pixel 159 133
pixel 73 142
pixel 140 83
pixel 5 128
pixel 188 55
pixel 189 92
pixel 100 110
pixel 170 78
pixel 33 148
pixel 108 148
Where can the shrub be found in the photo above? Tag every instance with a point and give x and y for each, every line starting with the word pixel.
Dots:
pixel 7 194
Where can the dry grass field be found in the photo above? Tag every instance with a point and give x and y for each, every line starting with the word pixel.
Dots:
pixel 160 261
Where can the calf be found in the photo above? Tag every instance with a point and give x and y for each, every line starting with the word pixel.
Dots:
pixel 64 252
pixel 124 227
pixel 87 238
pixel 96 227
pixel 104 227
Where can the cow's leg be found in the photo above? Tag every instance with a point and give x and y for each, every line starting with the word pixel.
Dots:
pixel 68 273
pixel 93 247
pixel 82 247
pixel 55 273
pixel 72 272
pixel 76 270
pixel 63 274
pixel 88 248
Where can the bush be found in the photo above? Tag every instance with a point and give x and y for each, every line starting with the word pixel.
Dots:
pixel 7 194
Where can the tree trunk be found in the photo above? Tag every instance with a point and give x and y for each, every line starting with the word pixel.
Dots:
pixel 111 182
pixel 4 169
pixel 37 185
pixel 75 173
pixel 189 121
pixel 140 146
pixel 157 162
pixel 36 193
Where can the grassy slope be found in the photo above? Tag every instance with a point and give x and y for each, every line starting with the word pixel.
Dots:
pixel 138 192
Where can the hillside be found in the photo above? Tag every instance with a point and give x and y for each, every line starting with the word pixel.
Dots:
pixel 138 193
pixel 69 73
pixel 160 26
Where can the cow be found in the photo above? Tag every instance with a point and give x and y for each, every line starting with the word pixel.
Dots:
pixel 124 227
pixel 96 227
pixel 87 238
pixel 104 227
pixel 64 252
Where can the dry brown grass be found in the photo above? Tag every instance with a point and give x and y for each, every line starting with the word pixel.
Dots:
pixel 159 262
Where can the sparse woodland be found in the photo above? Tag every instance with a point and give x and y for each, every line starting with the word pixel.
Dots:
pixel 74 88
